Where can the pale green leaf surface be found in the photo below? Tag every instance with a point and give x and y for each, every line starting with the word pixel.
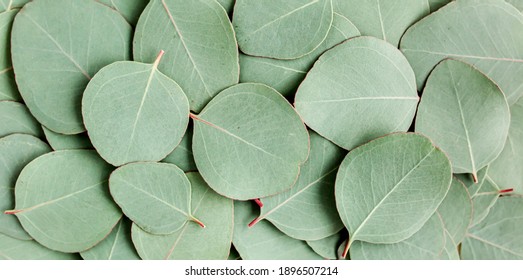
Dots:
pixel 516 3
pixel 133 112
pixel 387 189
pixel 327 247
pixel 286 75
pixel 15 249
pixel 8 88
pixel 200 45
pixel 350 103
pixel 155 196
pixel 465 114
pixel 72 41
pixel 383 19
pixel 129 9
pixel 228 5
pixel 117 246
pixel 249 142
pixel 498 236
pixel 264 241
pixel 308 210
pixel 484 200
pixel 456 211
pixel 16 151
pixel 63 201
pixel 281 29
pixel 193 242
pixel 436 4
pixel 182 156
pixel 7 5
pixel 67 142
pixel 468 180
pixel 450 252
pixel 16 118
pixel 484 33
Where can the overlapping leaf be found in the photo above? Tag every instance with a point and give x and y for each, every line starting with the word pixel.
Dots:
pixel 117 246
pixel 15 249
pixel 182 156
pixel 17 119
pixel 130 10
pixel 67 142
pixel 8 89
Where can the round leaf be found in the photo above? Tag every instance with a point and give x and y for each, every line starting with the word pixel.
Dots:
pixel 15 249
pixel 193 242
pixel 350 103
pixel 63 201
pixel 67 142
pixel 133 112
pixel 465 114
pixel 57 46
pixel 117 246
pixel 155 196
pixel 17 119
pixel 8 88
pixel 249 142
pixel 387 189
pixel 201 51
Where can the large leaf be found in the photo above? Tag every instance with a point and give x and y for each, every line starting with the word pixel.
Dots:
pixel 286 75
pixel 383 19
pixel 16 151
pixel 155 196
pixel 465 114
pixel 484 33
pixel 350 103
pixel 129 9
pixel 117 246
pixel 308 210
pixel 8 89
pixel 182 156
pixel 498 237
pixel 53 67
pixel 387 189
pixel 63 202
pixel 201 51
pixel 327 247
pixel 17 119
pixel 193 242
pixel 15 249
pixel 249 142
pixel 264 241
pixel 281 29
pixel 60 141
pixel 456 212
pixel 133 112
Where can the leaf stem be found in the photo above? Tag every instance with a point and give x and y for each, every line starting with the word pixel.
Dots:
pixel 12 212
pixel 258 201
pixel 347 247
pixel 254 222
pixel 198 222
pixel 158 59
pixel 506 191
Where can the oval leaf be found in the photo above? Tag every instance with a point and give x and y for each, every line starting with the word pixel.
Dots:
pixel 8 88
pixel 17 119
pixel 117 246
pixel 249 142
pixel 201 51
pixel 15 249
pixel 52 85
pixel 350 103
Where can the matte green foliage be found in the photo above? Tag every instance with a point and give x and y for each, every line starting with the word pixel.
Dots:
pixel 129 9
pixel 8 89
pixel 60 141
pixel 15 249
pixel 117 246
pixel 182 156
pixel 16 118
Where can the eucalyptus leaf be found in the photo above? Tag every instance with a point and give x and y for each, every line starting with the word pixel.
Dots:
pixel 456 212
pixel 201 51
pixel 133 112
pixel 8 89
pixel 193 242
pixel 450 252
pixel 182 156
pixel 249 142
pixel 8 5
pixel 350 103
pixel 63 202
pixel 498 236
pixel 16 118
pixel 117 246
pixel 465 114
pixel 484 33
pixel 71 40
pixel 67 142
pixel 327 247
pixel 308 210
pixel 383 19
pixel 264 241
pixel 16 151
pixel 516 3
pixel 281 29
pixel 155 196
pixel 286 75
pixel 129 9
pixel 468 180
pixel 15 249
pixel 387 189
pixel 436 4
pixel 228 5
pixel 484 200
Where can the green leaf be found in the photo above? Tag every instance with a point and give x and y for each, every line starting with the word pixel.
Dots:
pixel 308 210
pixel 17 119
pixel 450 252
pixel 155 196
pixel 468 180
pixel 15 249
pixel 456 212
pixel 383 19
pixel 8 88
pixel 426 244
pixel 484 200
pixel 282 30
pixel 201 51
pixel 228 5
pixel 182 156
pixel 498 237
pixel 57 46
pixel 286 75
pixel 465 114
pixel 193 242
pixel 327 247
pixel 387 189
pixel 350 103
pixel 484 33
pixel 117 246
pixel 129 9
pixel 436 4
pixel 63 201
pixel 249 142
pixel 16 151
pixel 133 112
pixel 264 241
pixel 67 142
pixel 7 5
pixel 516 3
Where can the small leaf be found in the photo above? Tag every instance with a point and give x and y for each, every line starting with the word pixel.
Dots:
pixel 182 156
pixel 15 249
pixel 327 247
pixel 17 119
pixel 67 142
pixel 456 211
pixel 117 246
